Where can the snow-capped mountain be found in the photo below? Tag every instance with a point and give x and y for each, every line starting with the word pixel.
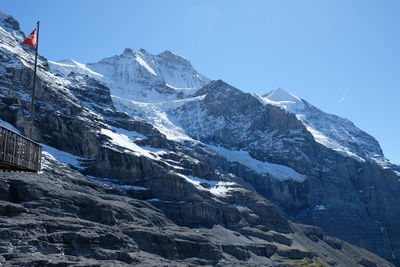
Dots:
pixel 334 132
pixel 168 92
pixel 142 83
pixel 203 152
pixel 139 75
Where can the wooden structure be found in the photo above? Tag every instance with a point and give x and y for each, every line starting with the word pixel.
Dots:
pixel 18 153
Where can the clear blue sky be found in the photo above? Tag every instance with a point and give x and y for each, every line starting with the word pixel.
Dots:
pixel 342 56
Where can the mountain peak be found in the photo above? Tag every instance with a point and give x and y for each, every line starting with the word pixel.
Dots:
pixel 144 52
pixel 280 94
pixel 283 99
pixel 169 56
pixel 219 85
pixel 131 52
pixel 9 22
pixel 68 61
pixel 128 51
pixel 139 74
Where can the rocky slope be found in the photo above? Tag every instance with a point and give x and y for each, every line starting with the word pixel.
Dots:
pixel 348 185
pixel 175 169
pixel 61 218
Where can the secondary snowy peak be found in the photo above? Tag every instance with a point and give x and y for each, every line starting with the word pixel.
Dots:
pixel 329 130
pixel 279 95
pixel 284 100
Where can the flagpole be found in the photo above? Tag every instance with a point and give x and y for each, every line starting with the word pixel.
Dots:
pixel 34 83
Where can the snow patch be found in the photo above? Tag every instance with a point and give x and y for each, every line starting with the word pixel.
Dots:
pixel 277 171
pixel 110 182
pixel 165 201
pixel 122 140
pixel 217 188
pixel 332 144
pixel 157 114
pixel 284 100
pixel 66 66
pixel 132 135
pixel 63 157
pixel 222 189
pixel 145 65
pixel 320 207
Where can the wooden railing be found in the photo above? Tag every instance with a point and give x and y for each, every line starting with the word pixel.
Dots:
pixel 18 152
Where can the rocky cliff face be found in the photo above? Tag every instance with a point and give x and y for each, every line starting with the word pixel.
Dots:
pixel 342 183
pixel 171 168
pixel 60 217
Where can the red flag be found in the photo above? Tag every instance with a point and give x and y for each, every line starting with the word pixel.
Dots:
pixel 31 39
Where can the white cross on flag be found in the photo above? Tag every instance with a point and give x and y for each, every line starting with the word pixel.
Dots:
pixel 31 39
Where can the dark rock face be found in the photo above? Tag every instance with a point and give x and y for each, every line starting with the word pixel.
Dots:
pixel 60 217
pixel 244 122
pixel 92 92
